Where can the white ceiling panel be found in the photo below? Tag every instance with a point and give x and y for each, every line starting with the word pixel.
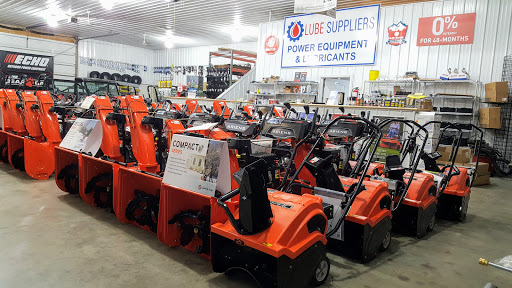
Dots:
pixel 193 22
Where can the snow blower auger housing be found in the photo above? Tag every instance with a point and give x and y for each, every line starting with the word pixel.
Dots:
pixel 277 237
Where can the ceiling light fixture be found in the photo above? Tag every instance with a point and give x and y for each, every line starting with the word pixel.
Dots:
pixel 52 21
pixel 169 43
pixel 107 4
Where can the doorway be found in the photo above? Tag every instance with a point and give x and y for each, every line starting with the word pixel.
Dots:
pixel 335 90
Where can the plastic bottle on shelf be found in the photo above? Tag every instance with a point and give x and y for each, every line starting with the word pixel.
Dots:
pixel 308 88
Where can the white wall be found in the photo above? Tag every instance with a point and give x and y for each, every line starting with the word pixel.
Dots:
pixel 194 56
pixel 63 52
pixel 483 59
pixel 116 52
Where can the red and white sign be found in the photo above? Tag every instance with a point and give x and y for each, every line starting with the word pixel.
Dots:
pixel 271 45
pixel 446 30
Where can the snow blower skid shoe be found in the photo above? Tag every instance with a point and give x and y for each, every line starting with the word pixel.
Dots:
pixel 66 170
pixel 4 153
pixel 136 197
pixel 279 238
pixel 16 154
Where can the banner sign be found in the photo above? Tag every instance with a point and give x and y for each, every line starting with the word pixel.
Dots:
pixel 84 136
pixel 23 63
pixel 311 6
pixel 446 30
pixel 318 40
pixel 113 65
pixel 198 164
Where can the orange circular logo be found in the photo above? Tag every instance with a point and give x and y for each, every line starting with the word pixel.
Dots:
pixel 271 45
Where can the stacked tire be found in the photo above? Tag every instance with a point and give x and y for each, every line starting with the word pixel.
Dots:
pixel 116 77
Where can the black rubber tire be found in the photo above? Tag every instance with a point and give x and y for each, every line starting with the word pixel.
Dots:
pixel 105 75
pixel 115 77
pixel 432 223
pixel 126 78
pixel 136 80
pixel 320 272
pixel 95 74
pixel 4 153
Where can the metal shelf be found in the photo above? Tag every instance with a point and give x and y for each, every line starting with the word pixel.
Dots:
pixel 312 94
pixel 454 113
pixel 455 130
pixel 261 83
pixel 262 94
pixel 292 83
pixel 452 97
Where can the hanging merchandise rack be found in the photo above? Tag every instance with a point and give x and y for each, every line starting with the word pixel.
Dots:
pixel 220 77
pixel 503 136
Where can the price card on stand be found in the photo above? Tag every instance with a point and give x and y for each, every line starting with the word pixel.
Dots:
pixel 84 136
pixel 198 164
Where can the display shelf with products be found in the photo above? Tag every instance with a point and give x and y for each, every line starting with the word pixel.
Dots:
pixel 284 91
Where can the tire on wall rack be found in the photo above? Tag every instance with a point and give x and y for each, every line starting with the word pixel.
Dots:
pixel 115 77
pixel 136 80
pixel 126 78
pixel 105 75
pixel 94 74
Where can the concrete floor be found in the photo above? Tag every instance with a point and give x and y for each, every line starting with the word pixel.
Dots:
pixel 51 239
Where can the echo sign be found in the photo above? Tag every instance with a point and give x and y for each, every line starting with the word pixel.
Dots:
pixel 319 40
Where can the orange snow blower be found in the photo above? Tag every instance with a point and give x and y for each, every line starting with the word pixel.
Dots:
pixel 279 238
pixel 454 183
pixel 39 155
pixel 359 211
pixel 15 137
pixel 67 162
pixel 414 193
pixel 137 188
pixel 96 173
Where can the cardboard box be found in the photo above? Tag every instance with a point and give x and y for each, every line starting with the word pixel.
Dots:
pixel 482 180
pixel 483 168
pixel 445 153
pixel 426 105
pixel 490 117
pixel 464 155
pixel 496 92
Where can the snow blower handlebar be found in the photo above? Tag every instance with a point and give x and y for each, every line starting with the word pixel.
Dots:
pixel 453 171
pixel 417 154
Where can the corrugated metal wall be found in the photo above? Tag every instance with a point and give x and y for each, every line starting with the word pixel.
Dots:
pixel 483 59
pixel 116 52
pixel 63 52
pixel 195 56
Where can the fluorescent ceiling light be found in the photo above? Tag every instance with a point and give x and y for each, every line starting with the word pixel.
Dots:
pixel 53 13
pixel 107 4
pixel 174 39
pixel 238 31
pixel 52 22
pixel 168 43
